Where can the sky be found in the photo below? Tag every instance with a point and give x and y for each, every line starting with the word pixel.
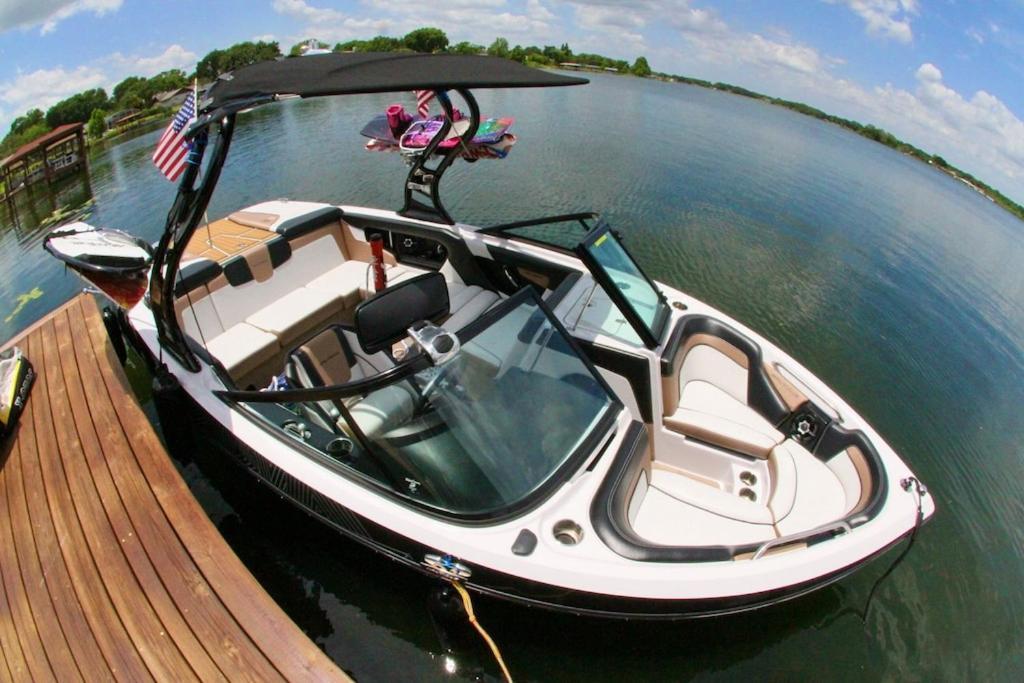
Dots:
pixel 944 75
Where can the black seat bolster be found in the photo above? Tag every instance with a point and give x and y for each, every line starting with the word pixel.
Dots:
pixel 280 250
pixel 761 395
pixel 237 271
pixel 194 274
pixel 835 440
pixel 300 225
pixel 610 517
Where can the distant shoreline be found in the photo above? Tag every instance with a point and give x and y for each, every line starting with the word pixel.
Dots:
pixel 867 131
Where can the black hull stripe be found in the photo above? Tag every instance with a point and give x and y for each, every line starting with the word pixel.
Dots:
pixel 499 584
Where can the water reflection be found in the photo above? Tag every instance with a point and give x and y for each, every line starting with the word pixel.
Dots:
pixel 35 209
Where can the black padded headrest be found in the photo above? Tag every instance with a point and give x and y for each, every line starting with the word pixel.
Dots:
pixel 194 274
pixel 383 319
pixel 308 222
pixel 237 271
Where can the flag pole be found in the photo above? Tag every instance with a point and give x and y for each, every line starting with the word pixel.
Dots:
pixel 206 215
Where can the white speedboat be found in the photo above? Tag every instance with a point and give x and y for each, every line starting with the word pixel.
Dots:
pixel 518 407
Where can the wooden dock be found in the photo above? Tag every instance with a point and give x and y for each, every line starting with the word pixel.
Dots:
pixel 109 567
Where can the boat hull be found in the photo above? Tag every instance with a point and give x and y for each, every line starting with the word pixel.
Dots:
pixel 411 553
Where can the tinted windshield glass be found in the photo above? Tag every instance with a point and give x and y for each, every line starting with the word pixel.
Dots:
pixel 629 281
pixel 489 427
pixel 564 233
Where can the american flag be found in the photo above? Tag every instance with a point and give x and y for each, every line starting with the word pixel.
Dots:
pixel 172 148
pixel 423 98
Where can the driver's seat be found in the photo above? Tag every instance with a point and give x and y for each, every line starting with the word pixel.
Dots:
pixel 327 359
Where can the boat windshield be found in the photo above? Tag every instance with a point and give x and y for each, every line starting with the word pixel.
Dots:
pixel 630 288
pixel 482 434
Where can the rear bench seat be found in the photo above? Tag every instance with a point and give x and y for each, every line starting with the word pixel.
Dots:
pixel 260 303
pixel 255 305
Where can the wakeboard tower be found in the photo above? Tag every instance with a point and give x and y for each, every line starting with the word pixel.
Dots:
pixel 519 407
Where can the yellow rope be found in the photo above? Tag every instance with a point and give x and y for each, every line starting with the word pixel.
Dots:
pixel 476 624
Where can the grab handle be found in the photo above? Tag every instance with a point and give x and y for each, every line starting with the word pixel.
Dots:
pixel 841 526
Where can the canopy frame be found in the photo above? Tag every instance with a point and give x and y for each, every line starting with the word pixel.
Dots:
pixel 425 181
pixel 316 76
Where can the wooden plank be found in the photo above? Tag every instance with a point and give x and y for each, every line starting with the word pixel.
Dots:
pixel 133 609
pixel 216 629
pixel 17 595
pixel 109 569
pixel 33 575
pixel 13 654
pixel 111 636
pixel 287 647
pixel 80 637
pixel 130 534
pixel 5 671
pixel 21 606
pixel 291 652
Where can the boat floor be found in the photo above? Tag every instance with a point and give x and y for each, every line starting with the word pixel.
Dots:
pixel 222 239
pixel 667 520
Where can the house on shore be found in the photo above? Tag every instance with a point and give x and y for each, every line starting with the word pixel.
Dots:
pixel 48 157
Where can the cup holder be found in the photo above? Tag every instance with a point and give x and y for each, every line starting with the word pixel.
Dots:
pixel 748 478
pixel 340 448
pixel 748 494
pixel 567 532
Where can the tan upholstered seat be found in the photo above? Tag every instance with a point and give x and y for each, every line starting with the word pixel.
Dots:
pixel 467 303
pixel 297 312
pixel 707 400
pixel 354 279
pixel 711 414
pixel 327 359
pixel 242 348
pixel 806 493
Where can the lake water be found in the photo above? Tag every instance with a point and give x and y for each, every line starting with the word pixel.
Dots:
pixel 900 287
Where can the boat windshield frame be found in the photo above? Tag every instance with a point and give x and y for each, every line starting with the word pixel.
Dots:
pixel 587 444
pixel 650 334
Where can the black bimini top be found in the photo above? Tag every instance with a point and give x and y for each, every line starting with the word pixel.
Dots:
pixel 367 72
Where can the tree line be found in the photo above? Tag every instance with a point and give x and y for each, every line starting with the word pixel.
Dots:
pixel 92 106
pixel 136 92
pixel 435 40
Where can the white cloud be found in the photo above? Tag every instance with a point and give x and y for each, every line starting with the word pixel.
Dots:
pixel 698 20
pixel 174 57
pixel 303 10
pixel 711 40
pixel 327 24
pixel 602 17
pixel 43 88
pixel 978 133
pixel 476 20
pixel 929 73
pixel 754 50
pixel 885 18
pixel 48 13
